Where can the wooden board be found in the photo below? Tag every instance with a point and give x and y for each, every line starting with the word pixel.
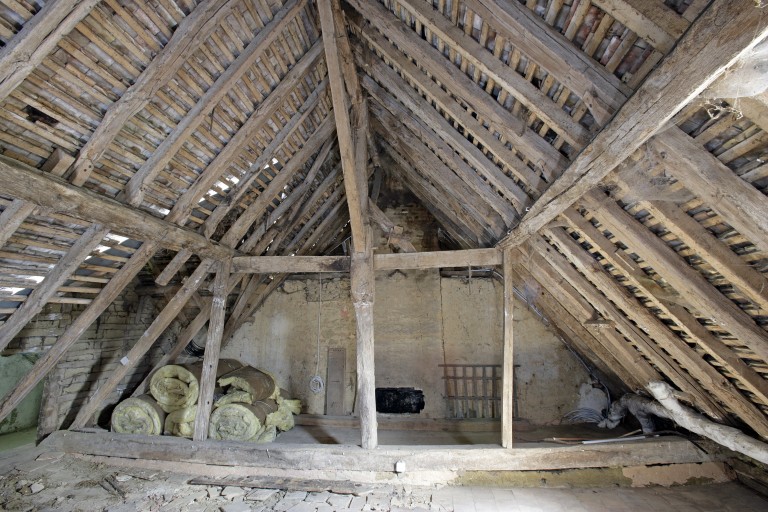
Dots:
pixel 334 383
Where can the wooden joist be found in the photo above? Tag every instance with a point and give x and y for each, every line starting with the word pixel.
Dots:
pixel 718 38
pixel 188 36
pixel 534 99
pixel 658 25
pixel 12 217
pixel 54 279
pixel 37 39
pixel 592 288
pixel 53 193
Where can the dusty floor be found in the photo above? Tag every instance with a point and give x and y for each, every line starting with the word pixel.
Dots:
pixel 32 479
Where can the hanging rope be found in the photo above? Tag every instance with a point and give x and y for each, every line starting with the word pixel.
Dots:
pixel 316 383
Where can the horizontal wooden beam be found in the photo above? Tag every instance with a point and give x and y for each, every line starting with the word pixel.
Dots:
pixel 411 260
pixel 437 259
pixel 29 184
pixel 280 264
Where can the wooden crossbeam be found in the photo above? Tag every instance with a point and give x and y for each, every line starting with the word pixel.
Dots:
pixel 292 264
pixel 337 51
pixel 42 189
pixel 438 259
pixel 134 190
pixel 53 280
pixel 522 138
pixel 739 203
pixel 659 26
pixel 78 326
pixel 600 90
pixel 718 38
pixel 686 280
pixel 143 344
pixel 37 39
pixel 187 37
pixel 533 98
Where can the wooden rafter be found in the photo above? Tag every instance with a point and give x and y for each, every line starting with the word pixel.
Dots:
pixel 12 217
pixel 188 36
pixel 134 190
pixel 706 50
pixel 37 39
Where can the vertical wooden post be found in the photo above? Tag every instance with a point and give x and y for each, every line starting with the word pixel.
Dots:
pixel 362 280
pixel 508 371
pixel 212 351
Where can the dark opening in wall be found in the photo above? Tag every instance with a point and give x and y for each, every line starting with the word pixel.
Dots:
pixel 399 400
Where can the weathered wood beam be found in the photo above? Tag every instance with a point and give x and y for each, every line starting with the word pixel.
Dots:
pixel 686 280
pixel 438 259
pixel 78 326
pixel 466 201
pixel 718 38
pixel 749 281
pixel 508 366
pixel 53 280
pixel 337 50
pixel 143 344
pixel 402 95
pixel 12 217
pixel 623 359
pixel 290 264
pixel 187 37
pixel 739 203
pixel 522 138
pixel 645 345
pixel 212 351
pixel 533 98
pixel 37 39
pixel 42 189
pixel 429 116
pixel 660 26
pixel 362 280
pixel 134 190
pixel 601 91
pixel 755 382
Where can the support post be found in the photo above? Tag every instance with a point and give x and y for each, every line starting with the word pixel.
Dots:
pixel 212 351
pixel 508 373
pixel 362 278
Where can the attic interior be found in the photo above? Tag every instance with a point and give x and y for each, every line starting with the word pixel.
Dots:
pixel 454 234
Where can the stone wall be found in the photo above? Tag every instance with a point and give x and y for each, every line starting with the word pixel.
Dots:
pixel 90 361
pixel 421 320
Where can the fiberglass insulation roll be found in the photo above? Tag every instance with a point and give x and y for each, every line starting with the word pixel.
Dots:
pixel 237 422
pixel 260 385
pixel 177 386
pixel 181 422
pixel 140 415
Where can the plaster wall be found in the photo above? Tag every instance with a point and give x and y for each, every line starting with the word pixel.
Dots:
pixel 421 320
